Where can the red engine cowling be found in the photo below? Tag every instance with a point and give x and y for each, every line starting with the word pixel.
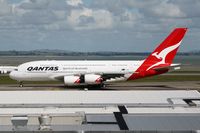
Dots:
pixel 93 79
pixel 72 80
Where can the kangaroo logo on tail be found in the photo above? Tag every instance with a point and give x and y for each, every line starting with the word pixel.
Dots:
pixel 163 54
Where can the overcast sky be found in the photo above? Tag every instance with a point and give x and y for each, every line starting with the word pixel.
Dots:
pixel 96 25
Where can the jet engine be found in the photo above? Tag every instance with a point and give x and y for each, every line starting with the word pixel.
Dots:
pixel 93 78
pixel 72 80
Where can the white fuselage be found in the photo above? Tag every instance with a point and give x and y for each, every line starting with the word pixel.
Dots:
pixel 52 70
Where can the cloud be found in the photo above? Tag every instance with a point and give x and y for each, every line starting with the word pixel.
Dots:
pixel 90 19
pixel 74 2
pixel 152 12
pixel 38 17
pixel 165 9
pixel 34 4
pixel 96 22
pixel 189 7
pixel 103 14
pixel 5 8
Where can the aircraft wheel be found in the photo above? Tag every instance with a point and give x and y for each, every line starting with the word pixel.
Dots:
pixel 21 84
pixel 103 85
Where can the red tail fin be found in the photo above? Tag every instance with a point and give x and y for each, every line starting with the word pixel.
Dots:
pixel 163 55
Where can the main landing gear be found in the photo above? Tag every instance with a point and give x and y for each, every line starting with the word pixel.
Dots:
pixel 102 85
pixel 93 87
pixel 21 84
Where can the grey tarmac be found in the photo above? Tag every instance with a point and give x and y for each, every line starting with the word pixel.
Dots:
pixel 186 85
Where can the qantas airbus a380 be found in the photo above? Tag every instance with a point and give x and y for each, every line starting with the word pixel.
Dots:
pixel 99 72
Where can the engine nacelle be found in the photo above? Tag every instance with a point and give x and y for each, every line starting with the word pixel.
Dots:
pixel 72 80
pixel 93 78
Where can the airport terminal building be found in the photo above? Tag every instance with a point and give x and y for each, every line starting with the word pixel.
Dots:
pixel 100 111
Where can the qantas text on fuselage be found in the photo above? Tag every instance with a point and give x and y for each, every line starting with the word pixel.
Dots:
pixel 99 72
pixel 42 68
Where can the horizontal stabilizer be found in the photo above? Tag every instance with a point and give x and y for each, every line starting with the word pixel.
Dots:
pixel 171 67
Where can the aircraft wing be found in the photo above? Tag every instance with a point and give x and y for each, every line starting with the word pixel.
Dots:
pixel 108 76
pixel 7 69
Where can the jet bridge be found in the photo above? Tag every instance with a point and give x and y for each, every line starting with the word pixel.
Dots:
pixel 102 111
